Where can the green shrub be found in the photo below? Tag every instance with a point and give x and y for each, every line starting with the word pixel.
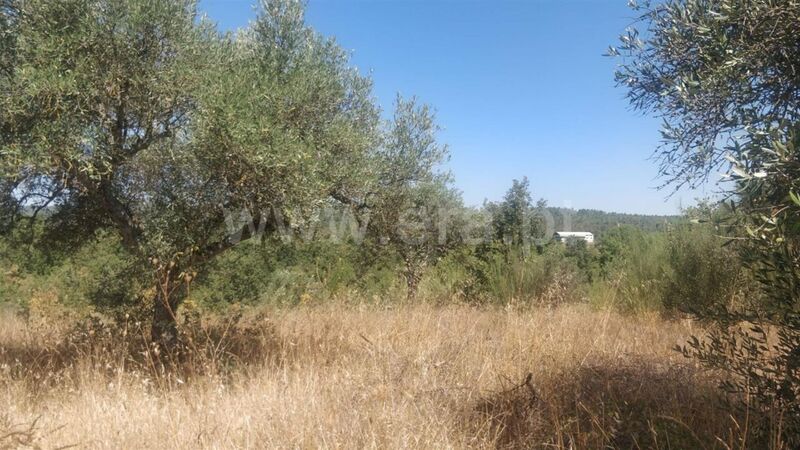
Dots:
pixel 100 275
pixel 281 273
pixel 634 269
pixel 512 275
pixel 704 272
pixel 450 280
pixel 585 257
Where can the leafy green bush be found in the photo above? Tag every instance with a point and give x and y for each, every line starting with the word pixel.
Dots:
pixel 510 275
pixel 22 264
pixel 100 275
pixel 585 257
pixel 703 271
pixel 451 279
pixel 276 272
pixel 634 270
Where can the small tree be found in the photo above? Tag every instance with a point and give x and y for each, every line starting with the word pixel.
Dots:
pixel 515 220
pixel 139 117
pixel 412 208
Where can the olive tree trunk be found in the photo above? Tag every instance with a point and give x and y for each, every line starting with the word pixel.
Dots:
pixel 168 296
pixel 413 275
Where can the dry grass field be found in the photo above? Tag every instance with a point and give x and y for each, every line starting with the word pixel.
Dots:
pixel 367 377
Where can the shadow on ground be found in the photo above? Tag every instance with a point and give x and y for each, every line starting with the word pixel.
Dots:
pixel 610 404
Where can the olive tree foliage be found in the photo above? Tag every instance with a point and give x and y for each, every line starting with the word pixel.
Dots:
pixel 413 209
pixel 725 77
pixel 140 117
pixel 713 71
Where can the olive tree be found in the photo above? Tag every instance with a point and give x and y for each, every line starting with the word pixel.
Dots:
pixel 140 117
pixel 725 77
pixel 412 208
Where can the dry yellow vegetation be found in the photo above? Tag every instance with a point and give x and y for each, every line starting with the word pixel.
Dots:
pixel 367 377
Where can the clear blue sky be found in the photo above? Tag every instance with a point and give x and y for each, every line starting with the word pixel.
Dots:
pixel 520 88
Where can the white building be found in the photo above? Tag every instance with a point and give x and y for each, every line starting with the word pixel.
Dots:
pixel 562 236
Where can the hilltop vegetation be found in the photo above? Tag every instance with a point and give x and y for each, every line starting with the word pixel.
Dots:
pixel 599 222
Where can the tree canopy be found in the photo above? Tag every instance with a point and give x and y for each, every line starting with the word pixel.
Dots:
pixel 141 117
pixel 714 71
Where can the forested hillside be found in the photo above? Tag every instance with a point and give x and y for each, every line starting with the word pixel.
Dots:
pixel 598 222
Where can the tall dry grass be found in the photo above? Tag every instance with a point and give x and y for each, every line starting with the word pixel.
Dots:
pixel 338 376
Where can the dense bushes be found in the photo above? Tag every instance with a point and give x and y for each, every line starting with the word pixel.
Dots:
pixel 283 273
pixel 100 274
pixel 705 271
pixel 548 276
pixel 684 269
pixel 633 270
